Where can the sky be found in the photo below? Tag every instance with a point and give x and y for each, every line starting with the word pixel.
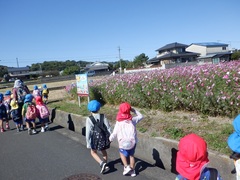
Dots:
pixel 34 31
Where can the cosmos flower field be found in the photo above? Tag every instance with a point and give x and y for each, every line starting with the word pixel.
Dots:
pixel 212 90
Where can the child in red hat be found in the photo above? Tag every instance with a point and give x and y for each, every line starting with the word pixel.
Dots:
pixel 126 133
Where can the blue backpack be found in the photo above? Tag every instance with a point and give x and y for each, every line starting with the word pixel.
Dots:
pixel 207 174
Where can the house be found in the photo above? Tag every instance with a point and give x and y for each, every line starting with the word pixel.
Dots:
pixel 97 67
pixel 211 52
pixel 21 72
pixel 172 54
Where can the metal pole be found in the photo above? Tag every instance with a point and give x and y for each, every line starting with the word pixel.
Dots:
pixel 17 62
pixel 119 54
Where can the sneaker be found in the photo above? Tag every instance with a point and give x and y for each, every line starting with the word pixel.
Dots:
pixel 7 126
pixel 42 129
pixel 46 128
pixel 18 130
pixel 133 173
pixel 34 131
pixel 103 165
pixel 126 170
pixel 29 132
pixel 21 128
pixel 2 130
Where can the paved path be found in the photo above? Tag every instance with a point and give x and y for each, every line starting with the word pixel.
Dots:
pixel 60 153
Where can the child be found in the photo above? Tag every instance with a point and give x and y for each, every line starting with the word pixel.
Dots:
pixel 97 142
pixel 29 113
pixel 45 92
pixel 3 112
pixel 192 160
pixel 7 99
pixel 126 127
pixel 36 91
pixel 234 144
pixel 42 113
pixel 16 115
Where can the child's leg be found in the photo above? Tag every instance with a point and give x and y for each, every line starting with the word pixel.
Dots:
pixel 124 159
pixel 132 162
pixel 105 157
pixel 28 125
pixel 34 124
pixel 95 156
pixel 1 125
pixel 7 124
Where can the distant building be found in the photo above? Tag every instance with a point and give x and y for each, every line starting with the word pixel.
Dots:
pixel 173 53
pixel 97 67
pixel 211 52
pixel 21 72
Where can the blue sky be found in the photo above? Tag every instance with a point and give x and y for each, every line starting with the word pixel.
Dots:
pixel 34 31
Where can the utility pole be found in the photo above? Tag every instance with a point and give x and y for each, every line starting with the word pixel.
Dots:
pixel 120 59
pixel 17 62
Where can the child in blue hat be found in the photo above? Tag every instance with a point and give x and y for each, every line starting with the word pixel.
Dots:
pixel 29 113
pixel 3 112
pixel 98 131
pixel 234 145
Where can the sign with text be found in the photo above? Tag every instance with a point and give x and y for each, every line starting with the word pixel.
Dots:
pixel 82 84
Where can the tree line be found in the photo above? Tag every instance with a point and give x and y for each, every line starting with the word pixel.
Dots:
pixel 69 67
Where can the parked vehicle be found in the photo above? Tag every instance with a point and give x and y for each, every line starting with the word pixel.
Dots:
pixel 91 73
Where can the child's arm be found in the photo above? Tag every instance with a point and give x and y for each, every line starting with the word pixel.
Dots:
pixel 88 132
pixel 138 116
pixel 114 133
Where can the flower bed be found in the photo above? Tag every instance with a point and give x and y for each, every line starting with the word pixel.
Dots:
pixel 208 89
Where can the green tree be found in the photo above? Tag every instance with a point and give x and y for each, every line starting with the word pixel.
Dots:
pixel 140 60
pixel 71 70
pixel 3 70
pixel 236 55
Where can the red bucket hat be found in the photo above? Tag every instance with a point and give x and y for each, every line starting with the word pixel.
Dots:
pixel 38 100
pixel 191 156
pixel 124 112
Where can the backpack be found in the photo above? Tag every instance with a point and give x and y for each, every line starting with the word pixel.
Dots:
pixel 16 116
pixel 43 111
pixel 31 111
pixel 3 110
pixel 99 134
pixel 45 92
pixel 21 93
pixel 126 135
pixel 207 174
pixel 36 93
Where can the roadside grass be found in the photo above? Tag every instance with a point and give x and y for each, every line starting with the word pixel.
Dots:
pixel 173 125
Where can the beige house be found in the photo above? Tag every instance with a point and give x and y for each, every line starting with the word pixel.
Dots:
pixel 211 52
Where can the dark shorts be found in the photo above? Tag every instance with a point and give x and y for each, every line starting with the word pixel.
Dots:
pixel 45 120
pixel 129 152
pixel 29 120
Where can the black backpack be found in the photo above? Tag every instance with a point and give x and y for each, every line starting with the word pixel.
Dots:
pixel 3 110
pixel 99 134
pixel 16 116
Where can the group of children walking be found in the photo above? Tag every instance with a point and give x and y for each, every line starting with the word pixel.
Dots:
pixel 192 156
pixel 22 106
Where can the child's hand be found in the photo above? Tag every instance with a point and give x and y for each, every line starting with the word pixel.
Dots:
pixel 133 110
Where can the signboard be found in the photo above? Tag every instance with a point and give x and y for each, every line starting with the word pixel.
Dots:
pixel 82 84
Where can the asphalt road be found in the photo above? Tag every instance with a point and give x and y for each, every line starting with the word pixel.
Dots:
pixel 60 154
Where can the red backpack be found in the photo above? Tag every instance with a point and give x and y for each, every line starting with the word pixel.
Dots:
pixel 31 111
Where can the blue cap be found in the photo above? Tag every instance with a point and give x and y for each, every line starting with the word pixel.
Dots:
pixel 28 98
pixel 94 106
pixel 44 86
pixel 1 97
pixel 7 93
pixel 35 87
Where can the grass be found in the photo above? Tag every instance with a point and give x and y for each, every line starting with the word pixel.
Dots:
pixel 172 125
